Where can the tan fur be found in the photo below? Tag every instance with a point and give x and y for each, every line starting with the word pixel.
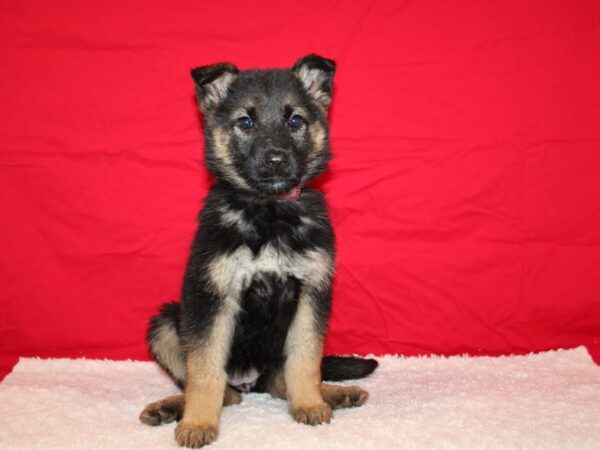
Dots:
pixel 220 138
pixel 242 110
pixel 236 219
pixel 166 343
pixel 232 397
pixel 343 396
pixel 216 91
pixel 163 411
pixel 204 395
pixel 171 408
pixel 205 383
pixel 317 136
pixel 312 79
pixel 302 371
pixel 334 395
pixel 277 387
pixel 195 436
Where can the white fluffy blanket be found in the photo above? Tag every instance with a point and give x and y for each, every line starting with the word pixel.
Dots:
pixel 542 401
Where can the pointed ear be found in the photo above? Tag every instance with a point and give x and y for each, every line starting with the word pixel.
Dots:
pixel 316 74
pixel 212 83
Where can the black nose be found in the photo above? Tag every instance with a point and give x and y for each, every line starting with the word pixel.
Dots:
pixel 276 158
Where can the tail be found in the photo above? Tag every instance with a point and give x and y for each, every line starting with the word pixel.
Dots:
pixel 337 368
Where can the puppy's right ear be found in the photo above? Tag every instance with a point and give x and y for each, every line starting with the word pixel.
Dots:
pixel 212 84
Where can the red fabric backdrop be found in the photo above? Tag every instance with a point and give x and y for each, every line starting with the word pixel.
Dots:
pixel 465 190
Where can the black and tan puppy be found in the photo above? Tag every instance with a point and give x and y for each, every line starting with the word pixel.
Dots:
pixel 257 291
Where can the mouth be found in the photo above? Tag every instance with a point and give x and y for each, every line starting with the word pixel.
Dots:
pixel 292 194
pixel 281 188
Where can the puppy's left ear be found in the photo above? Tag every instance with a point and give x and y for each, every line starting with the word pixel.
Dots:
pixel 316 74
pixel 212 84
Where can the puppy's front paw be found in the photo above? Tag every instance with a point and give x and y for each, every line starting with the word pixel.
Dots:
pixel 194 436
pixel 314 415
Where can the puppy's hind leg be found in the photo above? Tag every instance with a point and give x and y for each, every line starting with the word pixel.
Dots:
pixel 165 346
pixel 171 408
pixel 164 341
pixel 163 411
pixel 335 396
pixel 343 396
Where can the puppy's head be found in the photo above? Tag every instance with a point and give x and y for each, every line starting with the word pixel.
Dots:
pixel 266 130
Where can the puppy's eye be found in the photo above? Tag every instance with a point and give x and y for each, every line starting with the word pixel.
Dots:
pixel 246 123
pixel 295 121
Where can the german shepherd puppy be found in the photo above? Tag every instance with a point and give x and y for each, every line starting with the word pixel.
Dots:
pixel 257 291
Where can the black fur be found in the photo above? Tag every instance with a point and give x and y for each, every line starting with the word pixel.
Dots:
pixel 274 222
pixel 338 368
pixel 260 335
pixel 266 137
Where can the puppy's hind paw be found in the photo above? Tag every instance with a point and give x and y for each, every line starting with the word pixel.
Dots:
pixel 344 396
pixel 162 411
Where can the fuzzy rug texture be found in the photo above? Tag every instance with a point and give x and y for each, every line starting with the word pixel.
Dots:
pixel 539 401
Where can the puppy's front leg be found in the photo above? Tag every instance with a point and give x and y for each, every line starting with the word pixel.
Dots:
pixel 205 384
pixel 302 370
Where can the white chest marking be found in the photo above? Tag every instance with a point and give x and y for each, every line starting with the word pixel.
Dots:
pixel 231 274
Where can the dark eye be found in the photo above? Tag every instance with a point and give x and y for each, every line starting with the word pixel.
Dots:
pixel 246 122
pixel 295 121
